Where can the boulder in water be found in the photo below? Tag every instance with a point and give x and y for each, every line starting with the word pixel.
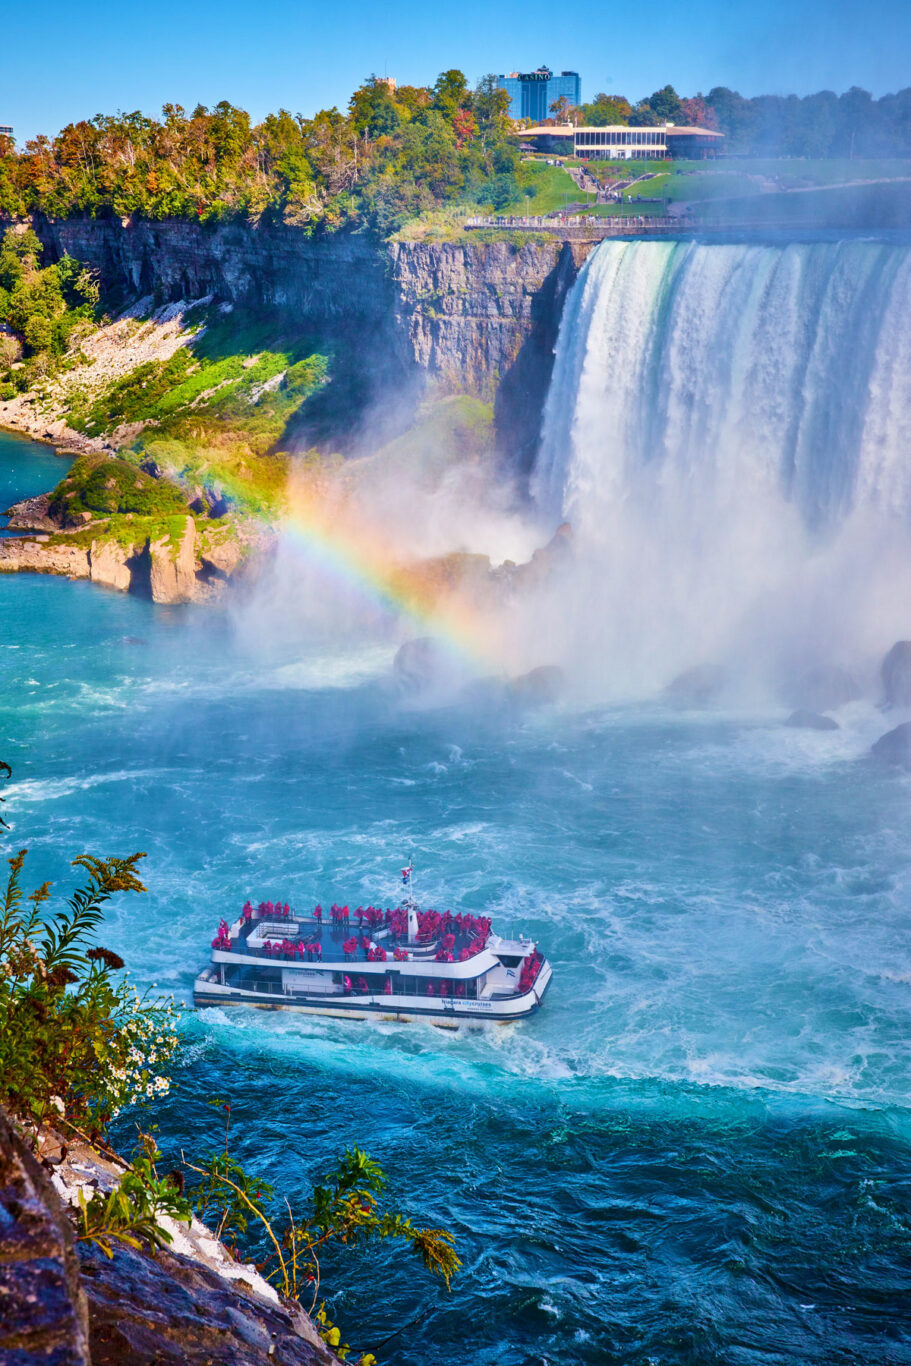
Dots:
pixel 824 687
pixel 419 665
pixel 896 675
pixel 539 686
pixel 895 746
pixel 811 720
pixel 697 687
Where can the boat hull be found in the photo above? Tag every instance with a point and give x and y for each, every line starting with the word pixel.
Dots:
pixel 408 1010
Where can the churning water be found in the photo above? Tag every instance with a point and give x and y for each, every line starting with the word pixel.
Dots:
pixel 698 1151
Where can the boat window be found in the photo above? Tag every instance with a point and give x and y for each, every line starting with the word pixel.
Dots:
pixel 509 960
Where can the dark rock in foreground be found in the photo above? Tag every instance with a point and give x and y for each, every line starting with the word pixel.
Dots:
pixel 895 746
pixel 419 665
pixel 67 1304
pixel 896 675
pixel 169 1310
pixel 811 720
pixel 538 688
pixel 43 1315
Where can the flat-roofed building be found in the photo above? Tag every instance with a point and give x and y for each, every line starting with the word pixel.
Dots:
pixel 616 143
pixel 6 130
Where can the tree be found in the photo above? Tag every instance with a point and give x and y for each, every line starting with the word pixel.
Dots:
pixel 490 103
pixel 450 93
pixel 560 109
pixel 606 110
pixel 665 104
pixel 372 109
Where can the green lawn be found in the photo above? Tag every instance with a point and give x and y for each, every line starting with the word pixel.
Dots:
pixel 625 170
pixel 552 188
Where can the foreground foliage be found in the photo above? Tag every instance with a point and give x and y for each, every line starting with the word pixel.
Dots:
pixel 78 1045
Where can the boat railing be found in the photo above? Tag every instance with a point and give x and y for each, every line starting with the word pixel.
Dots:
pixel 325 943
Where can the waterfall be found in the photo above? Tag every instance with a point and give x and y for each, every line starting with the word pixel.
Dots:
pixel 728 429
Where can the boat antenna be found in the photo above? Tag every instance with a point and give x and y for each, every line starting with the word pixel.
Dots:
pixel 408 902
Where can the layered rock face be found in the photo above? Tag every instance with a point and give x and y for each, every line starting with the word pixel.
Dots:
pixel 63 1304
pixel 151 568
pixel 478 317
pixel 43 1310
pixel 338 277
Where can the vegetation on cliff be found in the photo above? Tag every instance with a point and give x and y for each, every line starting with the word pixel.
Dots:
pixel 40 307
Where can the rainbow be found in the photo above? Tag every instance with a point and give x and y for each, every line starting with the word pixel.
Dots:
pixel 355 556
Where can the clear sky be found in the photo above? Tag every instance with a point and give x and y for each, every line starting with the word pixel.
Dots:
pixel 62 61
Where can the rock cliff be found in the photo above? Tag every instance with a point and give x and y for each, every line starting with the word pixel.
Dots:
pixel 472 317
pixel 189 1304
pixel 153 568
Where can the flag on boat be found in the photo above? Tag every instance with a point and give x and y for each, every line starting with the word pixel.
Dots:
pixel 406 874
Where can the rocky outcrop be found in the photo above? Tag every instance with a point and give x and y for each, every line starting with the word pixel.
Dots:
pixel 896 675
pixel 63 1304
pixel 824 687
pixel 811 720
pixel 36 555
pixel 110 565
pixel 156 569
pixel 43 1310
pixel 175 1311
pixel 697 687
pixel 172 576
pixel 895 746
pixel 32 515
pixel 339 276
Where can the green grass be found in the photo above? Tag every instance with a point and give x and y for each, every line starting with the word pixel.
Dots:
pixel 552 187
pixel 605 171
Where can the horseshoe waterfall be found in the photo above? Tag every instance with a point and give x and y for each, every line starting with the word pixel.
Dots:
pixel 728 430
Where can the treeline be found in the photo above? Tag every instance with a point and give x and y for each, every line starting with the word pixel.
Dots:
pixel 393 154
pixel 821 125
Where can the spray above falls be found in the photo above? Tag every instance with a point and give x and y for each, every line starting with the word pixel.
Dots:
pixel 729 431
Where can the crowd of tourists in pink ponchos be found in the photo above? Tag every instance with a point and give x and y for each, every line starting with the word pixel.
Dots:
pixel 460 938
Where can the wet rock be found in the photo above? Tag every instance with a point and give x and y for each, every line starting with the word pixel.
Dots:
pixel 173 1311
pixel 419 665
pixel 824 687
pixel 697 687
pixel 811 720
pixel 43 1312
pixel 539 687
pixel 896 675
pixel 895 746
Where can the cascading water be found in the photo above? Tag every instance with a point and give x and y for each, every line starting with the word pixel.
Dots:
pixel 727 429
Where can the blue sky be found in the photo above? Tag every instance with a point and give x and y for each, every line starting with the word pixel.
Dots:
pixel 60 62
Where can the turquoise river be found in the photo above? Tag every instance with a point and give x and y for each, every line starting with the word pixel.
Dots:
pixel 697 1152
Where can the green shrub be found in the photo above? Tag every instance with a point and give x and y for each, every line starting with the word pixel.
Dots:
pixel 77 1043
pixel 104 487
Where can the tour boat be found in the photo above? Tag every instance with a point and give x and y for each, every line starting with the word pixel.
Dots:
pixel 401 963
